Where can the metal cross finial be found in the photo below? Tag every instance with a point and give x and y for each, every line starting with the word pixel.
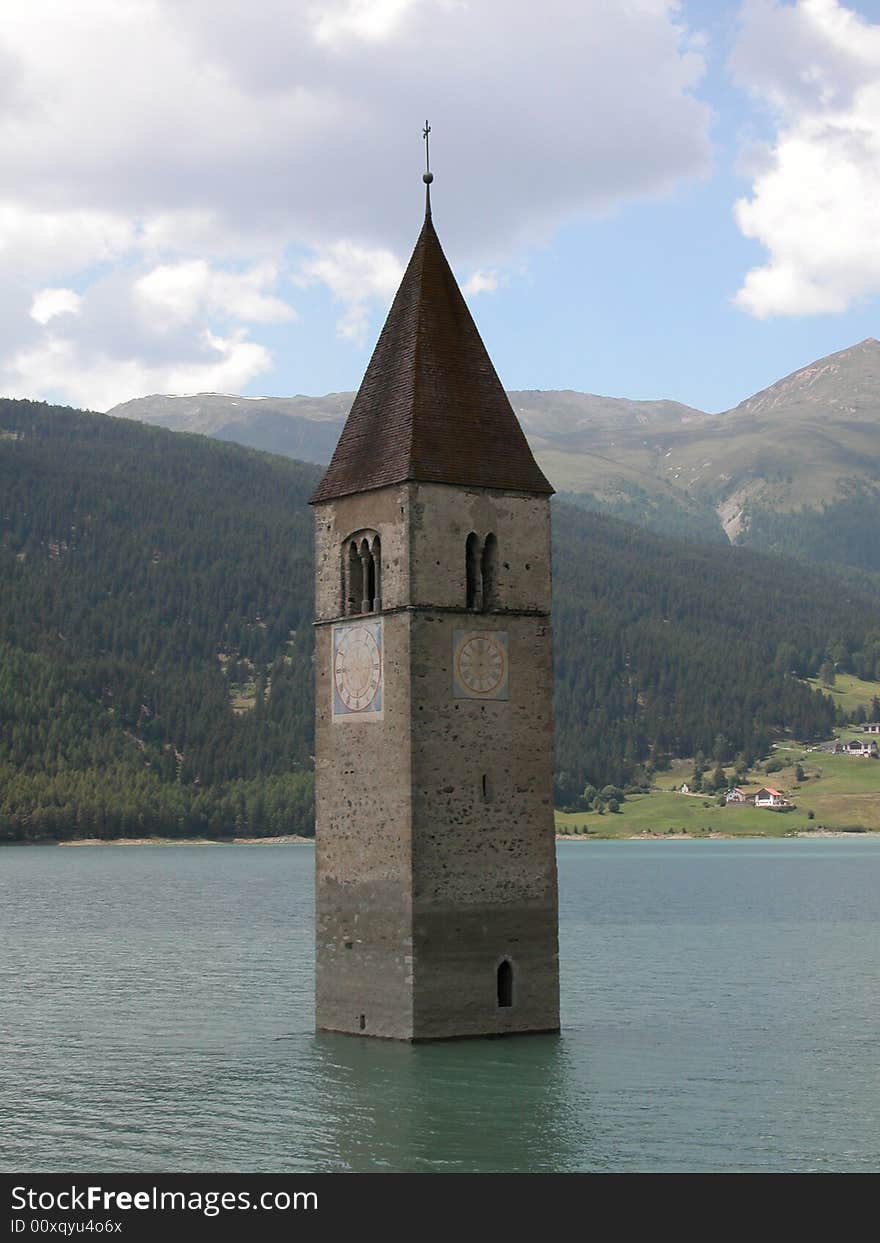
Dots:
pixel 427 175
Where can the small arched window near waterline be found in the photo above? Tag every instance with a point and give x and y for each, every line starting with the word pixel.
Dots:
pixel 505 983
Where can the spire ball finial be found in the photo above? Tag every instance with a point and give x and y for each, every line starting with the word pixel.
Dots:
pixel 427 177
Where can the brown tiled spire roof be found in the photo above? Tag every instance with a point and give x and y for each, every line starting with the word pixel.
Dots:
pixel 431 407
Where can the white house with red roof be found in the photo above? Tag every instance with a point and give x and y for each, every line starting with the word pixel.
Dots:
pixel 768 797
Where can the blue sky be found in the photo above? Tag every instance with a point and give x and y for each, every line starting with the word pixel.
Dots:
pixel 203 199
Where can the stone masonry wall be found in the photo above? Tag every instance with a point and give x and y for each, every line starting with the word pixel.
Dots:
pixel 386 511
pixel 435 855
pixel 363 864
pixel 484 865
pixel 441 519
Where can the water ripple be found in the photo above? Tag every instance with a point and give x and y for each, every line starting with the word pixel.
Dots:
pixel 719 1010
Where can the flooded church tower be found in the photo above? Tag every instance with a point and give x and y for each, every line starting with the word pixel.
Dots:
pixel 436 901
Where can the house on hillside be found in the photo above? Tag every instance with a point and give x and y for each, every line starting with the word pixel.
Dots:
pixel 685 789
pixel 736 796
pixel 768 797
pixel 856 746
pixel 871 727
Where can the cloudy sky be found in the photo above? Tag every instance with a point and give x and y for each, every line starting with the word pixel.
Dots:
pixel 641 198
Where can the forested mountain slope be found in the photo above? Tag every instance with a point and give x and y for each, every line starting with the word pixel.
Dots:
pixel 148 581
pixel 669 647
pixel 155 636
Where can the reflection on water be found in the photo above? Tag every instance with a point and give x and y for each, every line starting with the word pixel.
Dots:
pixel 719 1013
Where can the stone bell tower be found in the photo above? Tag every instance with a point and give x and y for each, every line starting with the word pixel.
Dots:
pixel 436 900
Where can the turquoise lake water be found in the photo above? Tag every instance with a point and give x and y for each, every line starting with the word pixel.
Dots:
pixel 721 1011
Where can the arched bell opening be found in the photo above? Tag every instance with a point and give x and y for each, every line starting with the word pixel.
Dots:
pixel 362 573
pixel 489 573
pixel 473 595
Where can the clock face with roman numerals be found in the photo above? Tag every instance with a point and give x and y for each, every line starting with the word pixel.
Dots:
pixel 357 670
pixel 480 664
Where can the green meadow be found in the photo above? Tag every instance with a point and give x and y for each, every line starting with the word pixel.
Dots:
pixel 671 814
pixel 848 691
pixel 841 791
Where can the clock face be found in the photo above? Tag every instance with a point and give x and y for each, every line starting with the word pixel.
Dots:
pixel 480 664
pixel 357 671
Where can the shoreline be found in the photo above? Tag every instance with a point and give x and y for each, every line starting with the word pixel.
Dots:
pixel 725 837
pixel 289 839
pixel 293 839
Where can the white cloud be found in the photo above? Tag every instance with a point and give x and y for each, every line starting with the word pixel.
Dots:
pixel 183 291
pixel 51 302
pixel 370 20
pixel 40 242
pixel 815 200
pixel 179 158
pixel 355 275
pixel 250 121
pixel 56 369
pixel 480 282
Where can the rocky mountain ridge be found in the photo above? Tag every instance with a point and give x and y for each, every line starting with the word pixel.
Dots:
pixel 803 451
